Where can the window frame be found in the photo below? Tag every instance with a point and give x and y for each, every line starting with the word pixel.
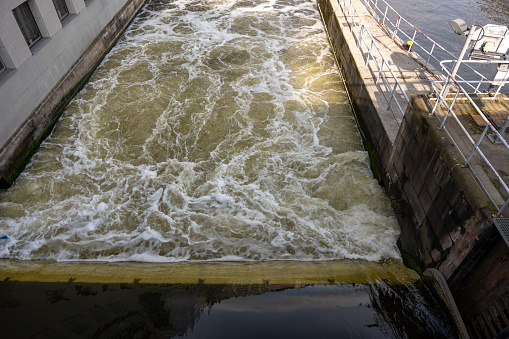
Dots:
pixel 24 12
pixel 61 4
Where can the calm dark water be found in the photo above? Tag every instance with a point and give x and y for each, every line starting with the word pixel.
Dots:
pixel 78 310
pixel 432 17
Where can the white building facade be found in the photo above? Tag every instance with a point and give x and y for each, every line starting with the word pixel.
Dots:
pixel 40 43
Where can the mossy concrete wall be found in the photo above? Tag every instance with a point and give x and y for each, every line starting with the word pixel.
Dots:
pixel 360 86
pixel 28 136
pixel 444 214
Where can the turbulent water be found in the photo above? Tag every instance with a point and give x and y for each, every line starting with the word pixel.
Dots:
pixel 213 130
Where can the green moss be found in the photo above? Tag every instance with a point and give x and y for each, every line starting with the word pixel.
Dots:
pixel 491 207
pixel 408 261
pixel 495 183
pixel 20 165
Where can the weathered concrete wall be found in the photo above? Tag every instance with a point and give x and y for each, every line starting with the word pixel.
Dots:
pixel 443 210
pixel 56 72
pixel 360 86
pixel 443 213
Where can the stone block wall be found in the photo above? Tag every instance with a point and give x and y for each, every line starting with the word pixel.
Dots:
pixel 443 212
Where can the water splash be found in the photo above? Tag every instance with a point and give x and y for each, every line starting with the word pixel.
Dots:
pixel 211 132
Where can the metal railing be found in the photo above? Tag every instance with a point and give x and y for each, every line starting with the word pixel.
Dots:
pixel 494 83
pixel 423 49
pixel 373 57
pixel 397 27
pixel 448 103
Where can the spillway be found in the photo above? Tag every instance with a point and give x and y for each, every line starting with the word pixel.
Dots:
pixel 213 157
pixel 214 130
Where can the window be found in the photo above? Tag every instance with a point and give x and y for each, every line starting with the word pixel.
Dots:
pixel 27 24
pixel 2 66
pixel 61 8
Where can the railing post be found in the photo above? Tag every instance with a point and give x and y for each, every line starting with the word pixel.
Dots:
pixel 413 41
pixel 449 109
pixel 361 32
pixel 369 52
pixel 503 208
pixel 385 15
pixel 380 71
pixel 476 146
pixel 393 92
pixel 396 28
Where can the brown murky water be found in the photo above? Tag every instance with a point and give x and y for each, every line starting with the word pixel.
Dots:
pixel 215 130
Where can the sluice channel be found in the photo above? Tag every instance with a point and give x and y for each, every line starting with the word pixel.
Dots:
pixel 209 179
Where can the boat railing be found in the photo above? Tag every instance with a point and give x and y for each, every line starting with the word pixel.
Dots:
pixel 447 102
pixel 384 76
pixel 418 45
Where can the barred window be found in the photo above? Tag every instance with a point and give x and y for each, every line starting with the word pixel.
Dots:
pixel 27 24
pixel 61 8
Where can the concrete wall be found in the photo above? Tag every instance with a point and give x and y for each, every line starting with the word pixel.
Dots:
pixel 441 208
pixel 40 80
pixel 444 215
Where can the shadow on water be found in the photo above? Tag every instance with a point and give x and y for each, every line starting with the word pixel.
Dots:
pixel 135 310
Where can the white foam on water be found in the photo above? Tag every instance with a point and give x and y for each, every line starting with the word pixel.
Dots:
pixel 212 131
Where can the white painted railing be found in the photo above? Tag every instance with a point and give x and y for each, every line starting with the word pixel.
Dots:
pixel 448 102
pixel 424 50
pixel 386 80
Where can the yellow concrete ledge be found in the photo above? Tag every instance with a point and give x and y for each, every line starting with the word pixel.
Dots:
pixel 275 272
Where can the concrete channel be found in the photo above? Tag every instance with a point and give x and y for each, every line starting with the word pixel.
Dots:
pixel 444 215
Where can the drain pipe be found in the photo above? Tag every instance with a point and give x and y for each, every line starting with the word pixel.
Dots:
pixel 440 284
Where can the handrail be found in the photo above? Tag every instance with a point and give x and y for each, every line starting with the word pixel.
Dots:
pixel 480 82
pixel 417 38
pixel 371 52
pixel 443 100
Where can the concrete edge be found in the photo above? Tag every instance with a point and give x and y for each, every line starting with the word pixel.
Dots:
pixel 276 272
pixel 437 280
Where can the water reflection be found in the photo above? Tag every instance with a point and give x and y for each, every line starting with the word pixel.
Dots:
pixel 78 310
pixel 432 18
